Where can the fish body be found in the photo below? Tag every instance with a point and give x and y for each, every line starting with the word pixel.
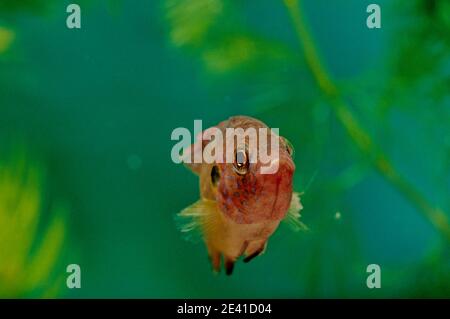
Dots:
pixel 240 207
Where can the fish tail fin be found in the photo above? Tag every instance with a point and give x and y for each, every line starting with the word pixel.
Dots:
pixel 293 215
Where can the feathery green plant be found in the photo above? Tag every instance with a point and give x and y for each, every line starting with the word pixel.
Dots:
pixel 29 251
pixel 6 38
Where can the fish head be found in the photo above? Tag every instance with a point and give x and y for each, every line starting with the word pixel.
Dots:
pixel 255 191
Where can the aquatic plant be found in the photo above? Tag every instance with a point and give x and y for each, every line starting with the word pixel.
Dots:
pixel 6 38
pixel 209 28
pixel 30 240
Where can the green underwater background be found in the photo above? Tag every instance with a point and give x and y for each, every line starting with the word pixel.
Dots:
pixel 86 117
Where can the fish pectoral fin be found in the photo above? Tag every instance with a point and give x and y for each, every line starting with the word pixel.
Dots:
pixel 196 218
pixel 293 214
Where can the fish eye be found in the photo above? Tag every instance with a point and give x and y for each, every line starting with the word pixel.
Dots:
pixel 241 162
pixel 215 175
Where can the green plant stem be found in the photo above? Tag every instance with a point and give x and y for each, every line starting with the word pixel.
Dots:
pixel 354 128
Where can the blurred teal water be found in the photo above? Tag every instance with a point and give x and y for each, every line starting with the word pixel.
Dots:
pixel 99 105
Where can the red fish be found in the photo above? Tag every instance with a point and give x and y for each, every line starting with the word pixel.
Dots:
pixel 240 207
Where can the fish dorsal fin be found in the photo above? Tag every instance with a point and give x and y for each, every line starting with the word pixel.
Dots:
pixel 195 219
pixel 293 214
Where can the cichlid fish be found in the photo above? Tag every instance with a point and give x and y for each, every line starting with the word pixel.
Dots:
pixel 239 207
